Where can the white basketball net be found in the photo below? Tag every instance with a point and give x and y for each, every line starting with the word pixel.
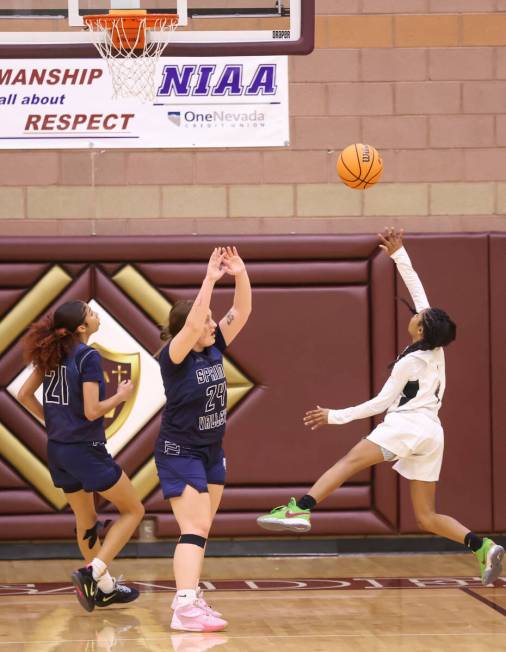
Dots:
pixel 132 67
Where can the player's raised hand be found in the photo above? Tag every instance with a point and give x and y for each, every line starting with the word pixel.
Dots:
pixel 316 418
pixel 232 262
pixel 391 240
pixel 215 266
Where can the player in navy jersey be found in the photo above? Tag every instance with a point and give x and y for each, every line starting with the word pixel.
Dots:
pixel 411 433
pixel 189 455
pixel 73 410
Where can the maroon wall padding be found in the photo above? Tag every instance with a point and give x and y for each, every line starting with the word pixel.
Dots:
pixel 498 376
pixel 27 429
pixel 8 478
pixel 323 523
pixel 41 526
pixel 23 502
pixel 324 328
pixel 8 298
pixel 22 275
pixel 261 498
pixel 308 273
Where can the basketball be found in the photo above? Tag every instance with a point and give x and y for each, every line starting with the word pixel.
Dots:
pixel 359 166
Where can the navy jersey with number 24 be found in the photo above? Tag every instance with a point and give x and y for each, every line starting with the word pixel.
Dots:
pixel 63 397
pixel 196 391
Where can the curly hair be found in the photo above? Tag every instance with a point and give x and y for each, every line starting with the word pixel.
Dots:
pixel 49 341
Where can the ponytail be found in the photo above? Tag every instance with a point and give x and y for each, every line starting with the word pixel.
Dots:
pixel 177 319
pixel 50 340
pixel 438 330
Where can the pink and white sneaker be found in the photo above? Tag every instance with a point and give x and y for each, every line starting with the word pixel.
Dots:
pixel 203 604
pixel 200 603
pixel 192 618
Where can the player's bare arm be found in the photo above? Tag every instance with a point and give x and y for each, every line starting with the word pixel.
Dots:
pixel 238 315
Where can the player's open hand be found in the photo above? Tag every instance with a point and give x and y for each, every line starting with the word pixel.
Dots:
pixel 391 240
pixel 215 266
pixel 232 262
pixel 316 418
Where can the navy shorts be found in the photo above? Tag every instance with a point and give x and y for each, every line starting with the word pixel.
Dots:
pixel 178 466
pixel 86 465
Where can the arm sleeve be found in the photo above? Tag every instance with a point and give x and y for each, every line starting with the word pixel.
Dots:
pixel 90 367
pixel 403 370
pixel 411 279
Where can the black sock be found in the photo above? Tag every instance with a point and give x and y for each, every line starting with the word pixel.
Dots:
pixel 473 541
pixel 306 502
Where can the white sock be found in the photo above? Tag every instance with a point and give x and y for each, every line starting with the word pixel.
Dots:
pixel 185 596
pixel 98 568
pixel 106 583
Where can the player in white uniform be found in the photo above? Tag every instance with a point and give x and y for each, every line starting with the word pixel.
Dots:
pixel 411 432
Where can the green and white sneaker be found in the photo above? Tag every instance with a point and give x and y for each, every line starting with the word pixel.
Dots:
pixel 490 556
pixel 287 517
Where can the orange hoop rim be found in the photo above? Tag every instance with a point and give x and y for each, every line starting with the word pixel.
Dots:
pixel 108 21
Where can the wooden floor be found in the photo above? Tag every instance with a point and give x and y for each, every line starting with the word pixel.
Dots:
pixel 363 608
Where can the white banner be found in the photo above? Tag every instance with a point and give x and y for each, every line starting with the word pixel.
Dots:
pixel 215 102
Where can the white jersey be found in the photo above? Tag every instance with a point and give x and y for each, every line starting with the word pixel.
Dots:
pixel 417 382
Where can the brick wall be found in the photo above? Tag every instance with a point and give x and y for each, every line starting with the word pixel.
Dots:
pixel 426 86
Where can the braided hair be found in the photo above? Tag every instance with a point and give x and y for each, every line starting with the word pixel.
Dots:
pixel 50 340
pixel 438 330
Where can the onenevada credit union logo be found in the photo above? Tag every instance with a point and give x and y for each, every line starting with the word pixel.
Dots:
pixel 219 118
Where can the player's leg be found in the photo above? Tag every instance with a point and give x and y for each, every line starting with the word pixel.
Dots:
pixel 108 590
pixel 215 471
pixel 94 585
pixel 423 497
pixel 360 457
pixel 83 505
pixel 489 555
pixel 81 502
pixel 192 510
pixel 124 497
pixel 296 515
pixel 215 495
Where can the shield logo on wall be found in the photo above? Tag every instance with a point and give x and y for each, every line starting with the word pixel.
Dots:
pixel 117 368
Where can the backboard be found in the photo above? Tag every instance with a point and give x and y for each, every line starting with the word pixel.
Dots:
pixel 56 29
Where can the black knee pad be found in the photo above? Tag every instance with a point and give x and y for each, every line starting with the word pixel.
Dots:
pixel 194 539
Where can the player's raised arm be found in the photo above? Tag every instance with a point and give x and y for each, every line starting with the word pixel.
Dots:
pixel 391 244
pixel 182 343
pixel 238 314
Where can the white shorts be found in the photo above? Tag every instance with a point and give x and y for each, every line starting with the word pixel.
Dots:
pixel 417 441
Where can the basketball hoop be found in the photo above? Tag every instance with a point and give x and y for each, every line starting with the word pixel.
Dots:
pixel 130 54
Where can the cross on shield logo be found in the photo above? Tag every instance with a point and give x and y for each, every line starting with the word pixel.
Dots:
pixel 117 368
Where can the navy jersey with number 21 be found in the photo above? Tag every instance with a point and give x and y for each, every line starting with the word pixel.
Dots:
pixel 63 397
pixel 196 391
